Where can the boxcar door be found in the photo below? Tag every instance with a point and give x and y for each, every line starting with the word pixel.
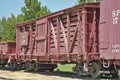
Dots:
pixel 41 37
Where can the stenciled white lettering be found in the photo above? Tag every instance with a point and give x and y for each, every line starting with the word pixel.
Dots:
pixel 115 15
pixel 115 48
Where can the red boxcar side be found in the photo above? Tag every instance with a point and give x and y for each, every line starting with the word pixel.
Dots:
pixel 70 35
pixel 8 47
pixel 6 50
pixel 25 39
pixel 73 34
pixel 109 29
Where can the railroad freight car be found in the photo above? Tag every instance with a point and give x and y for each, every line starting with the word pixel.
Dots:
pixel 85 34
pixel 109 39
pixel 66 36
pixel 6 49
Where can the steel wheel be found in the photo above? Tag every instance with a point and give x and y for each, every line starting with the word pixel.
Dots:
pixel 79 69
pixel 95 69
pixel 36 67
pixel 27 65
pixel 13 65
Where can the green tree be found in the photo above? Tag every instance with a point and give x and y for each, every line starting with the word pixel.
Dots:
pixel 0 28
pixel 4 26
pixel 79 1
pixel 20 18
pixel 44 11
pixel 9 28
pixel 33 9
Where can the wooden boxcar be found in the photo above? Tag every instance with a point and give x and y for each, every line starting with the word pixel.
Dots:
pixel 6 49
pixel 66 36
pixel 72 35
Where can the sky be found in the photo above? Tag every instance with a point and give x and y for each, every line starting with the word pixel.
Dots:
pixel 14 6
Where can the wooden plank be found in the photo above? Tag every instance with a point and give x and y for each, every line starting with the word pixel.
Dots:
pixel 48 36
pixel 58 37
pixel 64 35
pixel 54 36
pixel 40 38
pixel 68 35
pixel 31 42
pixel 73 41
pixel 80 44
pixel 94 33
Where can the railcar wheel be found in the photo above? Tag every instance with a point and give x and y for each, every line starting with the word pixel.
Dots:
pixel 95 69
pixel 3 64
pixel 36 67
pixel 79 69
pixel 27 65
pixel 19 66
pixel 13 65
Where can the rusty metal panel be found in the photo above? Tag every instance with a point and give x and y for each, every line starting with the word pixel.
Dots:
pixel 109 29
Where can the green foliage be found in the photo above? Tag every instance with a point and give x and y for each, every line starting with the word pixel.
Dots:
pixel 33 9
pixel 4 24
pixel 9 28
pixel 79 1
pixel 0 27
pixel 44 11
pixel 20 18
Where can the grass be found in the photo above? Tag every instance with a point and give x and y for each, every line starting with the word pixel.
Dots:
pixel 66 67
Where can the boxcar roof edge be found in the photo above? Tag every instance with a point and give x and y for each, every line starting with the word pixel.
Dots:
pixel 53 14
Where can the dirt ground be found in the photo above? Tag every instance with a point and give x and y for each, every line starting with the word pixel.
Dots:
pixel 22 75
